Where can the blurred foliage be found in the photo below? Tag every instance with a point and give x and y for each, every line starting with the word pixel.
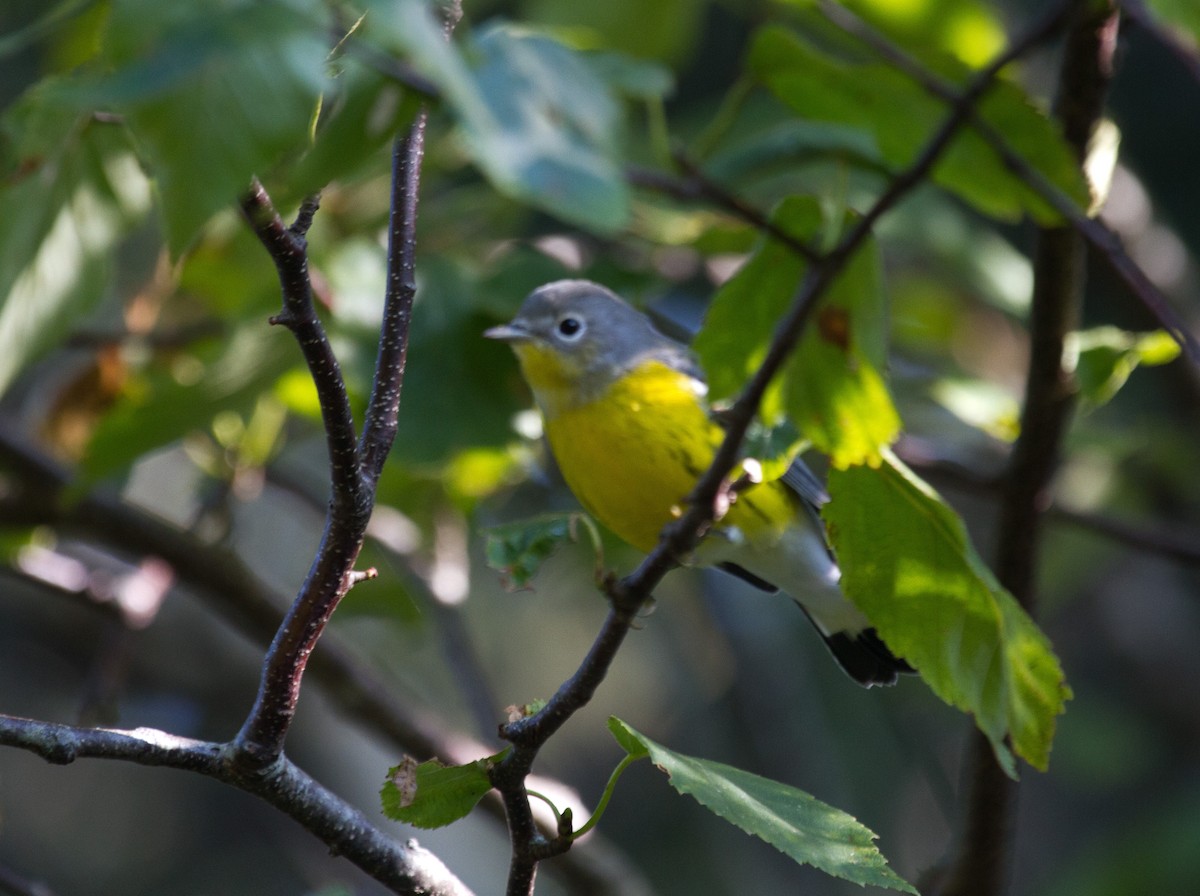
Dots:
pixel 134 346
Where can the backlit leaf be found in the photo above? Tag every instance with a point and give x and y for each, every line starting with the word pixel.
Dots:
pixel 908 563
pixel 832 388
pixel 1108 355
pixel 901 117
pixel 215 93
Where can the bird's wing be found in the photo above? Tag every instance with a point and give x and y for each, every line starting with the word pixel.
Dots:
pixel 804 482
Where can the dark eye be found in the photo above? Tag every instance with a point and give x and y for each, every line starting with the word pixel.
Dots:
pixel 570 328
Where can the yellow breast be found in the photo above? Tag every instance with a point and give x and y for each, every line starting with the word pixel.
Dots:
pixel 632 454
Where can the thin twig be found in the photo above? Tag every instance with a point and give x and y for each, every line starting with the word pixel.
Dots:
pixel 680 537
pixel 709 189
pixel 383 408
pixel 288 249
pixel 1099 236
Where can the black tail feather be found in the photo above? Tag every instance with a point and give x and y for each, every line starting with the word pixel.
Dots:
pixel 866 658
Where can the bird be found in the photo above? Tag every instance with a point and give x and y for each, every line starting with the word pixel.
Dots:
pixel 626 418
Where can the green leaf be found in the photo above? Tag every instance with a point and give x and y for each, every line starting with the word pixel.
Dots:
pixel 633 77
pixel 446 318
pixel 538 120
pixel 908 563
pixel 900 117
pixel 631 742
pixel 432 795
pixel 518 550
pixel 786 144
pixel 361 112
pixel 666 30
pixel 215 94
pixel 832 387
pixel 1108 355
pixel 796 823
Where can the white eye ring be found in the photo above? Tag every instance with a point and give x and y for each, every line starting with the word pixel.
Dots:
pixel 570 328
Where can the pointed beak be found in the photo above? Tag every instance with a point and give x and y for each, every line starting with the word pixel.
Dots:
pixel 508 333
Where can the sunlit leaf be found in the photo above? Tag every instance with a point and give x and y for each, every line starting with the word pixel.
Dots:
pixel 908 563
pixel 796 823
pixel 432 795
pixel 900 116
pixel 970 30
pixel 79 191
pixel 832 387
pixel 1182 14
pixel 1108 355
pixel 215 93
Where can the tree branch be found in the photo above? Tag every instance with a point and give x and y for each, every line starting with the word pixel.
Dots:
pixel 1173 543
pixel 260 742
pixel 288 248
pixel 695 185
pixel 1099 236
pixel 679 538
pixel 981 866
pixel 383 409
pixel 234 591
pixel 403 867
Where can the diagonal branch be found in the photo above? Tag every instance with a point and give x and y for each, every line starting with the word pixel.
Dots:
pixel 355 466
pixel 680 537
pixel 383 409
pixel 288 248
pixel 1099 236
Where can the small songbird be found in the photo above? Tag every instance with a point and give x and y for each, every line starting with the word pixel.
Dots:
pixel 626 418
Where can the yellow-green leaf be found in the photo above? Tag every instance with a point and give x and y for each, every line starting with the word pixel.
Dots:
pixel 832 388
pixel 908 563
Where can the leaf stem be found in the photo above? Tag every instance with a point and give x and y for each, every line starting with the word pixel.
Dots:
pixel 598 812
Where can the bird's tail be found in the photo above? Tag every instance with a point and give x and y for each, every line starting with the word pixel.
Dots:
pixel 857 648
pixel 865 657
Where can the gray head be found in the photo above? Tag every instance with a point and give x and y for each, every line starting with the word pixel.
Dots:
pixel 579 335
